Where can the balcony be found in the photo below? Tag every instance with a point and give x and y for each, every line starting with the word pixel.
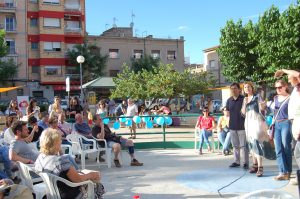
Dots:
pixel 7 7
pixel 73 31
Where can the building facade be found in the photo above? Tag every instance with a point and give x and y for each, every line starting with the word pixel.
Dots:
pixel 121 47
pixel 213 65
pixel 45 29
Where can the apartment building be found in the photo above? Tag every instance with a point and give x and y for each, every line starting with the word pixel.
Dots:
pixel 121 47
pixel 45 29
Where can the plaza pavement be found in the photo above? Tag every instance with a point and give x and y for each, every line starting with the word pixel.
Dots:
pixel 167 174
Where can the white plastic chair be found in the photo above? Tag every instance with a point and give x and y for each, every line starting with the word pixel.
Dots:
pixel 107 152
pixel 52 190
pixel 38 189
pixel 211 139
pixel 78 147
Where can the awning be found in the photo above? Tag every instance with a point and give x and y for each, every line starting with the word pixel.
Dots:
pixel 100 82
pixel 9 89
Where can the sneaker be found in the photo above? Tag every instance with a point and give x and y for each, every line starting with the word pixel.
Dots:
pixel 100 158
pixel 117 163
pixel 233 165
pixel 245 166
pixel 134 162
pixel 294 181
pixel 282 177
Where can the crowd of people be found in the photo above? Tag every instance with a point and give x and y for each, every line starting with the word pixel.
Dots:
pixel 244 125
pixel 38 142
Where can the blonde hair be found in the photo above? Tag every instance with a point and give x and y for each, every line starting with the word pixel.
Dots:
pixel 250 84
pixel 49 140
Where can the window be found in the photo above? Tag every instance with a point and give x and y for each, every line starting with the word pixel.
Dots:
pixel 171 55
pixel 53 2
pixel 52 46
pixel 155 54
pixel 11 45
pixel 52 70
pixel 35 69
pixel 10 23
pixel 73 25
pixel 33 22
pixel 33 1
pixel 71 70
pixel 137 54
pixel 52 22
pixel 34 45
pixel 72 4
pixel 9 3
pixel 113 53
pixel 212 63
pixel 113 73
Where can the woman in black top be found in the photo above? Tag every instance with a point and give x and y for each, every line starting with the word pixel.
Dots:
pixel 74 108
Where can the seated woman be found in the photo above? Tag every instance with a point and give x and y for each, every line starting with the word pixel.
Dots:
pixel 49 161
pixel 223 131
pixel 204 126
pixel 53 123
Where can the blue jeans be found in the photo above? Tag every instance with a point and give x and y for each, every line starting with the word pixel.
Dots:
pixel 225 139
pixel 4 158
pixel 204 134
pixel 283 149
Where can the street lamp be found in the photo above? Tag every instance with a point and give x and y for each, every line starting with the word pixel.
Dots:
pixel 80 60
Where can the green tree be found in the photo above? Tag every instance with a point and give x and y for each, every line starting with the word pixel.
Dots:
pixel 147 62
pixel 8 69
pixel 94 63
pixel 161 82
pixel 253 52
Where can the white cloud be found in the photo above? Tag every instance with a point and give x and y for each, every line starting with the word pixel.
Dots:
pixel 183 28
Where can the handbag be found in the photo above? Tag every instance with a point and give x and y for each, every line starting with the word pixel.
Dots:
pixel 271 130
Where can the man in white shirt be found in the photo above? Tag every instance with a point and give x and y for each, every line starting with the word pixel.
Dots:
pixel 132 110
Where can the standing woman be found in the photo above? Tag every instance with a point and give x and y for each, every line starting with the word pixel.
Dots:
pixel 282 134
pixel 252 108
pixel 33 109
pixel 13 108
pixel 55 108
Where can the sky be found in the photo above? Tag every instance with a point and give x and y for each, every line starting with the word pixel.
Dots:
pixel 199 21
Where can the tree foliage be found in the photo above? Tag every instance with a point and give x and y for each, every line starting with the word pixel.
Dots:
pixel 161 82
pixel 94 63
pixel 147 62
pixel 8 69
pixel 255 51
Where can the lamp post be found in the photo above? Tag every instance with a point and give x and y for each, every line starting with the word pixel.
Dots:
pixel 80 60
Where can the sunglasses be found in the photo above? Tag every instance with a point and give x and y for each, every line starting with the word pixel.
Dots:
pixel 278 87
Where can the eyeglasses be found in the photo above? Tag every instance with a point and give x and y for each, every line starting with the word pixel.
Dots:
pixel 278 87
pixel 205 111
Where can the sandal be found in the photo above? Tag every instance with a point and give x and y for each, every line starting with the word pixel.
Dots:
pixel 253 169
pixel 260 172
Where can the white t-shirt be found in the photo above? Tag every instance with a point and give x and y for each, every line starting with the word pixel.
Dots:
pixel 132 110
pixel 293 103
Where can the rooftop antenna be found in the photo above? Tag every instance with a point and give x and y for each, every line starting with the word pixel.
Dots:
pixel 135 32
pixel 132 17
pixel 114 23
pixel 106 26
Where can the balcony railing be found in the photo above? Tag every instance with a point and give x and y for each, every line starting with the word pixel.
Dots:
pixel 9 27
pixel 8 58
pixel 8 7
